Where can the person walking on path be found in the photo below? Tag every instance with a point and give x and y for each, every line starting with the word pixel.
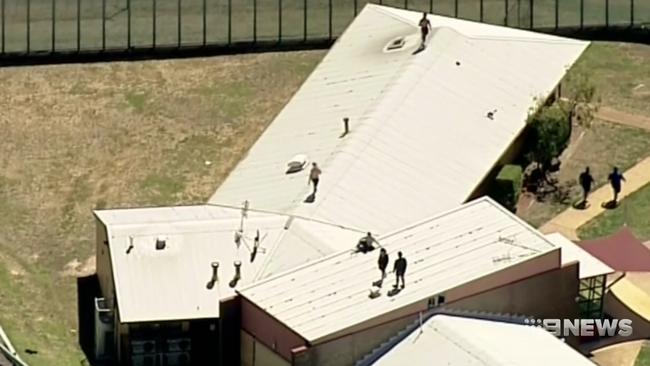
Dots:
pixel 586 181
pixel 399 269
pixel 425 27
pixel 314 176
pixel 383 262
pixel 616 179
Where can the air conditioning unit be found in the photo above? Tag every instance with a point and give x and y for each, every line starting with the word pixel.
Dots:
pixel 179 345
pixel 177 359
pixel 140 347
pixel 145 360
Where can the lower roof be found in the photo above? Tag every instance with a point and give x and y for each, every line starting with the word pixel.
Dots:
pixel 443 252
pixel 451 340
pixel 622 251
pixel 590 266
pixel 171 284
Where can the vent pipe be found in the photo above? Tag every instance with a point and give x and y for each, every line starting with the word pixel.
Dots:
pixel 256 244
pixel 130 248
pixel 346 127
pixel 237 277
pixel 215 275
pixel 161 243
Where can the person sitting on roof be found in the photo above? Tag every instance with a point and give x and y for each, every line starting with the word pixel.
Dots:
pixel 365 243
pixel 425 27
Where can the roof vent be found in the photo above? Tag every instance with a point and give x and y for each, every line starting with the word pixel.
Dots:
pixel 161 243
pixel 215 275
pixel 396 44
pixel 297 163
pixel 237 277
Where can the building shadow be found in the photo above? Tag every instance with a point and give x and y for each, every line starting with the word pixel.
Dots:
pixel 87 291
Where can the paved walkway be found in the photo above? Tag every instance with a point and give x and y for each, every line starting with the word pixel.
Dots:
pixel 615 116
pixel 571 219
pixel 623 354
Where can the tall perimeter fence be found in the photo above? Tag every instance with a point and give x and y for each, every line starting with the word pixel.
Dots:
pixel 69 27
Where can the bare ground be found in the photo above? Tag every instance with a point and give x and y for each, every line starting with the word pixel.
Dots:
pixel 77 137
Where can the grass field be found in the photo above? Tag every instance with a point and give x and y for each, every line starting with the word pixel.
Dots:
pixel 261 19
pixel 643 359
pixel 124 134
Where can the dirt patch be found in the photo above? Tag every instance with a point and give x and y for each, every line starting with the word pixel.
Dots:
pixel 80 269
pixel 615 116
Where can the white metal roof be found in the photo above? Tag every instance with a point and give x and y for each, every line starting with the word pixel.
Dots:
pixel 456 341
pixel 168 284
pixel 590 266
pixel 420 139
pixel 443 252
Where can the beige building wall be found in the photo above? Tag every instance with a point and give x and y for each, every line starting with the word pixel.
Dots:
pixel 104 268
pixel 254 353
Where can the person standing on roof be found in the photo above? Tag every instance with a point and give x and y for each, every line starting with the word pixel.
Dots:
pixel 400 269
pixel 586 181
pixel 383 262
pixel 425 27
pixel 616 179
pixel 314 176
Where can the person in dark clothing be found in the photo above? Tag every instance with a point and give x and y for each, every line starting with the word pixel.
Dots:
pixel 383 262
pixel 586 181
pixel 399 269
pixel 425 27
pixel 616 179
pixel 314 176
pixel 365 244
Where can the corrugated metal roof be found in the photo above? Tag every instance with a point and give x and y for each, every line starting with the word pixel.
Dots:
pixel 443 252
pixel 420 139
pixel 590 266
pixel 450 340
pixel 169 284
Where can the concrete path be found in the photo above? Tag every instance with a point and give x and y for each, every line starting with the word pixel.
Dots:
pixel 623 354
pixel 568 222
pixel 615 116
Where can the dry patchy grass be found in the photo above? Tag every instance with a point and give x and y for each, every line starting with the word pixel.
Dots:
pixel 77 137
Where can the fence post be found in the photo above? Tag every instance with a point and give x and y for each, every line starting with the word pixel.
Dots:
pixel 455 8
pixel 431 6
pixel 582 14
pixel 532 13
pixel 481 16
pixel 557 14
pixel 355 7
pixel 78 25
pixel 179 23
pixel 406 4
pixel 29 10
pixel 53 25
pixel 153 27
pixel 229 22
pixel 304 20
pixel 103 25
pixel 330 20
pixel 2 31
pixel 279 21
pixel 254 21
pixel 128 24
pixel 205 23
pixel 505 20
pixel 607 13
pixel 631 12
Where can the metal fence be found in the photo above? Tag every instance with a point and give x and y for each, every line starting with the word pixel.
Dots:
pixel 64 26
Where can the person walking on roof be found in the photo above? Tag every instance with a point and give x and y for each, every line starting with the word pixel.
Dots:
pixel 383 262
pixel 586 181
pixel 314 176
pixel 425 27
pixel 616 179
pixel 399 269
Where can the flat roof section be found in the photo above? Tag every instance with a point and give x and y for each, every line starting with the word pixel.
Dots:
pixel 420 139
pixel 451 340
pixel 590 266
pixel 171 283
pixel 443 252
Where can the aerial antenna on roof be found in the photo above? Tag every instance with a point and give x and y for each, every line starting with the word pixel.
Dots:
pixel 239 234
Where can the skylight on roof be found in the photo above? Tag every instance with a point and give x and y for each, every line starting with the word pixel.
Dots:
pixel 396 44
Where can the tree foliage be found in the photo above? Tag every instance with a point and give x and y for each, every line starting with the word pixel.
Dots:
pixel 550 131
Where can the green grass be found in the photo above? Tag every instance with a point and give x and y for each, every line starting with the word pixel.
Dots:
pixel 634 211
pixel 643 359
